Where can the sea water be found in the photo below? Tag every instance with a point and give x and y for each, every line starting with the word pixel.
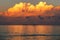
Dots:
pixel 29 32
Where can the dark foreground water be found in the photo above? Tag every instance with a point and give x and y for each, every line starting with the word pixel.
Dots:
pixel 29 32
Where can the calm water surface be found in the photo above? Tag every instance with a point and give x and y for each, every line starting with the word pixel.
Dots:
pixel 14 32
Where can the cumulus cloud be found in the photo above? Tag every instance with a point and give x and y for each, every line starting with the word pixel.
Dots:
pixel 27 13
pixel 28 9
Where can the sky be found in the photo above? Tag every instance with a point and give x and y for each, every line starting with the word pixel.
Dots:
pixel 32 10
pixel 5 4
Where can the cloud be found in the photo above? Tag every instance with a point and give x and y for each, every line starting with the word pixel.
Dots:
pixel 28 9
pixel 27 13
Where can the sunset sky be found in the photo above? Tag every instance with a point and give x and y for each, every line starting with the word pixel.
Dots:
pixel 5 4
pixel 30 11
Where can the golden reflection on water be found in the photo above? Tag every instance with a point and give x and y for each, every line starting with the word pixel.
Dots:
pixel 15 29
pixel 29 29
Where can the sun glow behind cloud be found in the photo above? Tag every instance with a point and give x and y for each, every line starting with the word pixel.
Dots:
pixel 28 9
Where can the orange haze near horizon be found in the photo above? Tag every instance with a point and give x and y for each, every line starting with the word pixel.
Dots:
pixel 28 9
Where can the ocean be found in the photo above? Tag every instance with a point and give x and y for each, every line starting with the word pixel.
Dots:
pixel 29 32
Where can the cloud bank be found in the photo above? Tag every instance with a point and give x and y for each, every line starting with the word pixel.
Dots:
pixel 28 9
pixel 41 13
